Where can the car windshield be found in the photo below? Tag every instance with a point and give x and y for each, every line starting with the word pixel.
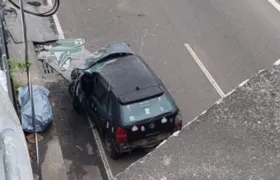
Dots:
pixel 146 109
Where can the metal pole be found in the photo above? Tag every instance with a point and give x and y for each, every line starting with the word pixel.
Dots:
pixel 29 83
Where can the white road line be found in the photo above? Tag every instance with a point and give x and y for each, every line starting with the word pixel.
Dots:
pixel 94 132
pixel 205 71
pixel 56 22
pixel 101 151
pixel 275 4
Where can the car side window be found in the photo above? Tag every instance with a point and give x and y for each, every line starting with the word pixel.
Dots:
pixel 102 95
pixel 98 89
pixel 106 102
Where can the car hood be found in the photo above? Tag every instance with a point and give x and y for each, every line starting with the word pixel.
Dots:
pixel 115 49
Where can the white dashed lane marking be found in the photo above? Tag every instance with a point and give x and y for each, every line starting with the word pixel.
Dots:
pixel 56 22
pixel 101 151
pixel 205 71
pixel 275 4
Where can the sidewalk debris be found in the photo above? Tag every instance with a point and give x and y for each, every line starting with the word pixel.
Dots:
pixel 79 148
pixel 30 138
pixel 64 55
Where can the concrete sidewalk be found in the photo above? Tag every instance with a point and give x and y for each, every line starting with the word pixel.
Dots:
pixel 67 150
pixel 51 157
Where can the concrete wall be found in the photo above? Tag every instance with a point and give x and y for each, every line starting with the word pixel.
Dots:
pixel 237 138
pixel 14 157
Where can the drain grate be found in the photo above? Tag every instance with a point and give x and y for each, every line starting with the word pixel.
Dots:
pixel 46 68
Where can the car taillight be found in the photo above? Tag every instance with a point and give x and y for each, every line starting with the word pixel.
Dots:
pixel 178 121
pixel 121 135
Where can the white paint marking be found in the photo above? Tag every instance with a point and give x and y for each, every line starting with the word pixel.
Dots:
pixel 134 128
pixel 175 133
pixel 277 63
pixel 101 151
pixel 205 71
pixel 107 125
pixel 79 148
pixel 56 22
pixel 229 93
pixel 189 123
pixel 243 83
pixel 147 111
pixel 275 4
pixel 219 101
pixel 162 143
pixel 203 112
pixel 164 120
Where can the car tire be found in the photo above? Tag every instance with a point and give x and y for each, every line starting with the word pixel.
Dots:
pixel 77 104
pixel 71 88
pixel 110 148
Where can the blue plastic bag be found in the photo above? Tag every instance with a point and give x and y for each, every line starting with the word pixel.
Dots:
pixel 42 106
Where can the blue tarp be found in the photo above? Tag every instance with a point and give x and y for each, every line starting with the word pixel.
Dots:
pixel 43 111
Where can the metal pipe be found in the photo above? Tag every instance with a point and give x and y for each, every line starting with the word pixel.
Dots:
pixel 29 83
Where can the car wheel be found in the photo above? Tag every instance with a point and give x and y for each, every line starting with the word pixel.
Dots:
pixel 71 88
pixel 76 104
pixel 110 148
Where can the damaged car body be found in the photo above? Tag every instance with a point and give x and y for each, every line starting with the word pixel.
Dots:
pixel 128 103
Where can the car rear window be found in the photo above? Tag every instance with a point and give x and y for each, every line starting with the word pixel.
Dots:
pixel 139 111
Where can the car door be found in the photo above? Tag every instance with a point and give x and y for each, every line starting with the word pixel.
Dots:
pixel 100 104
pixel 105 111
pixel 90 103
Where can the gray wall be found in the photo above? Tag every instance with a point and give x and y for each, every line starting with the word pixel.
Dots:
pixel 14 157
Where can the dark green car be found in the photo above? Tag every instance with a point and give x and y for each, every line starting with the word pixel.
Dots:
pixel 127 102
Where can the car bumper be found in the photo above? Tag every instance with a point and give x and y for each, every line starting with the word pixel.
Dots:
pixel 149 142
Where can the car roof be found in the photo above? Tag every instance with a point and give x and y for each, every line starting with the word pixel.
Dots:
pixel 129 75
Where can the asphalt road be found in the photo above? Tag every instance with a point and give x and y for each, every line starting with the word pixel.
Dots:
pixel 233 39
